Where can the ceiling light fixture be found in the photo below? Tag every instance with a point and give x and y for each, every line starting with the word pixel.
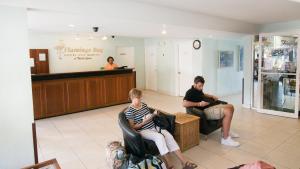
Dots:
pixel 104 37
pixel 71 25
pixel 164 31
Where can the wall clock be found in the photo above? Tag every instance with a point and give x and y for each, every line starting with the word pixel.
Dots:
pixel 197 44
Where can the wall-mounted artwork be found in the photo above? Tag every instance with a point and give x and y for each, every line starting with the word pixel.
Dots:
pixel 226 59
pixel 241 58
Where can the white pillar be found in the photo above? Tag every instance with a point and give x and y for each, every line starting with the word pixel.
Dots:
pixel 16 111
pixel 248 73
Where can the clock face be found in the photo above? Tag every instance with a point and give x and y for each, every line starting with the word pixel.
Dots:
pixel 197 44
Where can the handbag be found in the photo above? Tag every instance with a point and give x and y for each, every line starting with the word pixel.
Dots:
pixel 161 122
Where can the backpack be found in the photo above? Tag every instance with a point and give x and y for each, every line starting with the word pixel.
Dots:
pixel 115 155
pixel 149 162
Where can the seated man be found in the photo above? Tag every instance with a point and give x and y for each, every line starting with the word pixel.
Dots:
pixel 212 108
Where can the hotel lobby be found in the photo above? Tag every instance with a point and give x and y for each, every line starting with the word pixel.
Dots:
pixel 67 68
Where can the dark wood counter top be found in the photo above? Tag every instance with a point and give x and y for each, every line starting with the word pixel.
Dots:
pixel 54 76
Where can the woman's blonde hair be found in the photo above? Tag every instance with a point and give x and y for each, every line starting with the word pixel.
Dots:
pixel 135 93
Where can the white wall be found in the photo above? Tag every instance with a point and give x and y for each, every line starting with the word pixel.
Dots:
pixel 248 75
pixel 220 82
pixel 110 46
pixel 281 27
pixel 16 112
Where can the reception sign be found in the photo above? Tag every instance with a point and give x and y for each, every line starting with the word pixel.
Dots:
pixel 77 53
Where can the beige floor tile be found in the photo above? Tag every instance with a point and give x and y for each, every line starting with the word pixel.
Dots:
pixel 62 157
pixel 215 146
pixel 76 164
pixel 92 162
pixel 216 161
pixel 259 150
pixel 290 149
pixel 284 159
pixel 198 155
pixel 54 147
pixel 240 157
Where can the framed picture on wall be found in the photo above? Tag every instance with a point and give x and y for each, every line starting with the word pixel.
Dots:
pixel 241 58
pixel 226 59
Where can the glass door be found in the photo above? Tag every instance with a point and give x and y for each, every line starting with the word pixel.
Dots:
pixel 278 75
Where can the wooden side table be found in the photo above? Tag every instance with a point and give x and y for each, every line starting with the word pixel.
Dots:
pixel 187 130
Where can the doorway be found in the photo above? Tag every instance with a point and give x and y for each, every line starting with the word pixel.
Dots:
pixel 278 76
pixel 184 67
pixel 151 68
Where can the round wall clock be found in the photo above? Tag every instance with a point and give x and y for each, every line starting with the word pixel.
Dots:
pixel 197 44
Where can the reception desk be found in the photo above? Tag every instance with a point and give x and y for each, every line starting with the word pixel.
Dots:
pixel 63 93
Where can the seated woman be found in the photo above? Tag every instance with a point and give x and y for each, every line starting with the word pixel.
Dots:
pixel 110 65
pixel 140 119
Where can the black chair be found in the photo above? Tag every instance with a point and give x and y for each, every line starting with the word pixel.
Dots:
pixel 206 126
pixel 134 143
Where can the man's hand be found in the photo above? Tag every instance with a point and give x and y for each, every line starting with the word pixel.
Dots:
pixel 203 104
pixel 215 98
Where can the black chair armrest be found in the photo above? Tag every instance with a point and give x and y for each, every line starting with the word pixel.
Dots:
pixel 132 138
pixel 200 113
pixel 196 112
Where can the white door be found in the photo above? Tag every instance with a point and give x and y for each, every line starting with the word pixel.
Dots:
pixel 185 67
pixel 151 68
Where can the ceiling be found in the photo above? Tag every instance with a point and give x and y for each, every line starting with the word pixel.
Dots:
pixel 145 18
pixel 251 11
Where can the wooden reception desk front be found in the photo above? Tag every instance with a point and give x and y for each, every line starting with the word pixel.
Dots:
pixel 64 93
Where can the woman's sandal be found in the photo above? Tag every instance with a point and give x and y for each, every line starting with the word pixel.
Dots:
pixel 189 165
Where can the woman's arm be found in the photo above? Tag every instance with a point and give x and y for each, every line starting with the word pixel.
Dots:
pixel 140 125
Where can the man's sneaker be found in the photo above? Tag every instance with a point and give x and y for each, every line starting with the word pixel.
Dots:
pixel 233 134
pixel 229 142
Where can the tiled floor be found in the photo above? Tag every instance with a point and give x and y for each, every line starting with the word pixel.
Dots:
pixel 78 140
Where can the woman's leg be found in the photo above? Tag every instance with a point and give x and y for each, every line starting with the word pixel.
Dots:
pixel 159 139
pixel 173 147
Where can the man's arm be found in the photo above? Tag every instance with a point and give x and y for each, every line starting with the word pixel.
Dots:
pixel 187 103
pixel 211 96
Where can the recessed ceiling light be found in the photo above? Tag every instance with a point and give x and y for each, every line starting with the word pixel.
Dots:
pixel 71 25
pixel 164 31
pixel 104 38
